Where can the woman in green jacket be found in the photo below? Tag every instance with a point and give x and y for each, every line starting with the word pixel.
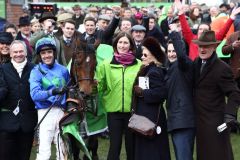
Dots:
pixel 115 80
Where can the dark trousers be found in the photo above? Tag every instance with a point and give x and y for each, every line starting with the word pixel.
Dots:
pixel 118 125
pixel 15 145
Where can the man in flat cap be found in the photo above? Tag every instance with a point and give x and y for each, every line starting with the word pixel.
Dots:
pixel 103 22
pixel 138 34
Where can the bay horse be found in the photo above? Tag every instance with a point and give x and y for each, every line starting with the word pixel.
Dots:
pixel 83 66
pixel 82 74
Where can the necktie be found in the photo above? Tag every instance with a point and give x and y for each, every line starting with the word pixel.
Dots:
pixel 138 46
pixel 202 66
pixel 68 41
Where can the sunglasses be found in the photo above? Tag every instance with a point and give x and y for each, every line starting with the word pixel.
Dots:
pixel 145 55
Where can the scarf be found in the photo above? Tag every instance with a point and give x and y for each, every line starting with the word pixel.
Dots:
pixel 19 66
pixel 125 58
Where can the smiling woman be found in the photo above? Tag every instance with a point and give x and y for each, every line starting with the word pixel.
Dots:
pixel 115 80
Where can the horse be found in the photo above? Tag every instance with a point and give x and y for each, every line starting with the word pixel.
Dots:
pixel 82 74
pixel 83 67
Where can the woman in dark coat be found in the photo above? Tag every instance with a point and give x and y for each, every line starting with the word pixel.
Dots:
pixel 147 102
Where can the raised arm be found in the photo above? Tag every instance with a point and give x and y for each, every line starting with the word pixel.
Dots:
pixel 186 30
pixel 179 46
pixel 109 32
pixel 223 31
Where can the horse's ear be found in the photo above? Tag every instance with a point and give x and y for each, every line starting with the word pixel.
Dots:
pixel 97 43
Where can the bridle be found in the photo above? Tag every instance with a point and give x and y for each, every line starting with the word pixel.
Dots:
pixel 77 62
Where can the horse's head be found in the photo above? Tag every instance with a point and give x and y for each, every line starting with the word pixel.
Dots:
pixel 83 67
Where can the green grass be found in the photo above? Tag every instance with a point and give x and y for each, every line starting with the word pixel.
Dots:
pixel 104 144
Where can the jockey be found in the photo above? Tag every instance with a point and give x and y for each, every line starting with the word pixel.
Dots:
pixel 48 81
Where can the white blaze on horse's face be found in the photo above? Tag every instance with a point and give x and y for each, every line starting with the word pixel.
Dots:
pixel 88 59
pixel 123 45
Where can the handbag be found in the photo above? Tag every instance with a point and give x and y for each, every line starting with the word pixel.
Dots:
pixel 141 124
pixel 144 126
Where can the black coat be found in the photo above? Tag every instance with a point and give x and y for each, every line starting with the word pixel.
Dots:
pixel 212 86
pixel 180 108
pixel 158 147
pixel 14 89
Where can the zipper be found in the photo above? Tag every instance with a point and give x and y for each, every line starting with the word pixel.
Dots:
pixel 123 70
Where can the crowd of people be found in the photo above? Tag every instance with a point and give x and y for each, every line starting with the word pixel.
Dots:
pixel 189 91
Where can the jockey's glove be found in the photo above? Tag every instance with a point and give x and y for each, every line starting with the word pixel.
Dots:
pixel 60 90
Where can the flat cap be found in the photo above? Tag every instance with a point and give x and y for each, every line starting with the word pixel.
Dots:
pixel 63 17
pixel 104 17
pixel 138 28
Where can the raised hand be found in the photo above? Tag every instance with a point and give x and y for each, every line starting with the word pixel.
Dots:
pixel 234 13
pixel 179 6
